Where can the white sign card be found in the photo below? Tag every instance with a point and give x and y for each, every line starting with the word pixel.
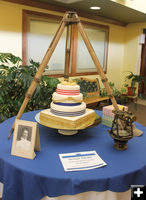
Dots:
pixel 81 161
pixel 25 139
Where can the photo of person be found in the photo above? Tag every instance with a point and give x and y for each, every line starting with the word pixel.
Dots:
pixel 23 140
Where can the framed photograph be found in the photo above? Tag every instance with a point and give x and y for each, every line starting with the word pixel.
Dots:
pixel 25 139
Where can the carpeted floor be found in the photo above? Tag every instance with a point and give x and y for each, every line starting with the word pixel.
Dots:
pixel 142 100
pixel 139 110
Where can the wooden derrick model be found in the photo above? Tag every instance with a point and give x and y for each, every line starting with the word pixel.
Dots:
pixel 68 20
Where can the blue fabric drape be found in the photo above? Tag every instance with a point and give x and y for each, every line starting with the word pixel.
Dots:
pixel 26 179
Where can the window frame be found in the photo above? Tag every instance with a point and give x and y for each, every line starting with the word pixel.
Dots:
pixel 27 15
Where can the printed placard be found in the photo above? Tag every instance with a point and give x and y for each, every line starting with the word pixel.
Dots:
pixel 81 161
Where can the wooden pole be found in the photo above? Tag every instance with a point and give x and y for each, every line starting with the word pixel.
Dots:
pixel 67 52
pixel 97 64
pixel 40 71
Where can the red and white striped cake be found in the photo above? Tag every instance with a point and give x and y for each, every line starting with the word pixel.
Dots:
pixel 67 100
pixel 70 90
pixel 67 93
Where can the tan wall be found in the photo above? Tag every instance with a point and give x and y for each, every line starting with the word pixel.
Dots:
pixel 10 28
pixel 132 52
pixel 139 5
pixel 122 49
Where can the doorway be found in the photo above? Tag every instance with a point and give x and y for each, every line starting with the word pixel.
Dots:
pixel 143 65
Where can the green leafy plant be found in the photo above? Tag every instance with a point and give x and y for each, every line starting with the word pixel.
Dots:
pixel 116 92
pixel 120 95
pixel 134 78
pixel 8 58
pixel 15 80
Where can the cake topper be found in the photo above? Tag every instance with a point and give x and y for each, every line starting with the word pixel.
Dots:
pixel 68 83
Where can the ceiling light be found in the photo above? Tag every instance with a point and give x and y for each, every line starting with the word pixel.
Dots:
pixel 95 8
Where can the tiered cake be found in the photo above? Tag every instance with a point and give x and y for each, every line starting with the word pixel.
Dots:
pixel 67 110
pixel 67 100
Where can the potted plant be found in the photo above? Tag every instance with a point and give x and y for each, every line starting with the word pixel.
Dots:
pixel 119 94
pixel 15 80
pixel 134 78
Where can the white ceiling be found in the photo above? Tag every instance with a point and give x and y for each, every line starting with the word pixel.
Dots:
pixel 109 9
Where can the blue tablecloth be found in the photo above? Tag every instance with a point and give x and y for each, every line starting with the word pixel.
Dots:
pixel 26 179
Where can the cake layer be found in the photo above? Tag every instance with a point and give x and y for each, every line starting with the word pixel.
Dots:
pixel 67 123
pixel 67 104
pixel 67 98
pixel 68 92
pixel 68 114
pixel 80 107
pixel 63 110
pixel 71 90
pixel 68 87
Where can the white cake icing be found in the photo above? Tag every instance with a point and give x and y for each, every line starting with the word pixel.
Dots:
pixel 80 107
pixel 67 98
pixel 68 111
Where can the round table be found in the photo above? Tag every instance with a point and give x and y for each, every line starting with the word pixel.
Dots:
pixel 44 176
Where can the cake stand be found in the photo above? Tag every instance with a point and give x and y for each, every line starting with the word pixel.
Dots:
pixel 67 131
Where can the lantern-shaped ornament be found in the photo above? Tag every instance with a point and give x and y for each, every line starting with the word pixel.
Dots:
pixel 122 128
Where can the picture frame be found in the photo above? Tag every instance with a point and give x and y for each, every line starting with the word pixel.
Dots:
pixel 25 139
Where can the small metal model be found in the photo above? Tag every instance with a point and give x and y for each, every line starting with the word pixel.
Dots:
pixel 122 128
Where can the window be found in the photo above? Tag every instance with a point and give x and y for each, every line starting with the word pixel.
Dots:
pixel 97 37
pixel 38 32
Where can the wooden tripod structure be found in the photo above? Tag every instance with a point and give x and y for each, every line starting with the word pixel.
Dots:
pixel 68 19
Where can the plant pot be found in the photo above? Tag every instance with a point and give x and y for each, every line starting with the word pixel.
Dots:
pixel 122 99
pixel 131 91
